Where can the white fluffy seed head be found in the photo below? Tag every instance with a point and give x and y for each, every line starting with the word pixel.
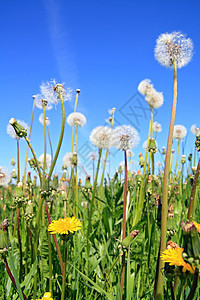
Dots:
pixel 68 160
pixel 48 160
pixel 157 127
pixel 41 119
pixel 144 86
pixel 52 92
pixel 154 98
pixel 125 137
pixel 195 130
pixel 76 119
pixel 5 176
pixel 101 137
pixel 130 153
pixel 172 47
pixel 179 132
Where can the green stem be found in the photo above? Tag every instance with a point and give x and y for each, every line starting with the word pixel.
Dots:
pixel 64 274
pixel 50 142
pixel 140 205
pixel 18 176
pixel 159 290
pixel 45 147
pixel 38 168
pixel 193 201
pixel 60 139
pixel 29 136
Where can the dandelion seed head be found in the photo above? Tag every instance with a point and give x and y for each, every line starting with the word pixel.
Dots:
pixel 48 160
pixel 52 92
pixel 41 119
pixel 179 132
pixel 154 98
pixel 145 86
pixel 130 153
pixel 172 47
pixel 5 176
pixel 92 155
pixel 195 130
pixel 39 102
pixel 68 160
pixel 76 119
pixel 101 137
pixel 157 127
pixel 125 137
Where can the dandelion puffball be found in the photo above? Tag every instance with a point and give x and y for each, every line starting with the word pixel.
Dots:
pixel 173 47
pixel 179 132
pixel 125 137
pixel 76 119
pixel 101 137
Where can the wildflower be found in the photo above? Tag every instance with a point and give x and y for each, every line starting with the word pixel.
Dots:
pixel 195 130
pixel 197 226
pixel 52 91
pixel 130 153
pixel 154 98
pixel 11 131
pixel 48 160
pixel 92 155
pixel 179 132
pixel 5 176
pixel 145 86
pixel 41 119
pixel 125 137
pixel 65 226
pixel 40 102
pixel 76 119
pixel 47 296
pixel 101 137
pixel 173 47
pixel 157 127
pixel 68 160
pixel 174 257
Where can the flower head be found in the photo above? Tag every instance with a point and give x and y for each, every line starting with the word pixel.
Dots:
pixel 101 137
pixel 68 160
pixel 171 47
pixel 125 137
pixel 76 119
pixel 40 102
pixel 197 226
pixel 52 91
pixel 47 296
pixel 157 127
pixel 48 160
pixel 195 130
pixel 130 153
pixel 93 156
pixel 41 119
pixel 179 132
pixel 11 131
pixel 65 226
pixel 145 86
pixel 174 257
pixel 5 176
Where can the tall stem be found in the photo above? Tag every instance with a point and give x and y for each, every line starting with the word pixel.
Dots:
pixel 192 204
pixel 64 274
pixel 50 141
pixel 18 174
pixel 45 146
pixel 159 290
pixel 124 223
pixel 29 136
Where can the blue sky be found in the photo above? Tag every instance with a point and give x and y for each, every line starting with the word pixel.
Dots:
pixel 104 48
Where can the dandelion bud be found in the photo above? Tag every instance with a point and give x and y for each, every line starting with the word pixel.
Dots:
pixel 128 240
pixel 141 160
pixel 197 143
pixel 163 150
pixel 183 159
pixel 34 181
pixel 3 235
pixel 190 157
pixel 28 180
pixel 55 182
pixel 194 169
pixel 13 162
pixel 87 182
pixel 191 240
pixel 19 129
pixel 14 175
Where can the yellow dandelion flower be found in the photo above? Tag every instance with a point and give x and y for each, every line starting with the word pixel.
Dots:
pixel 174 257
pixel 65 226
pixel 47 296
pixel 197 226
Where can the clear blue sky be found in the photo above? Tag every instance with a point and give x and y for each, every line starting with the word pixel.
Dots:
pixel 104 48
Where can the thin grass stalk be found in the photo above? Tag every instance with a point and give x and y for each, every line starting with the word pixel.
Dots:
pixel 141 200
pixel 20 244
pixel 159 290
pixel 45 146
pixel 29 136
pixel 13 279
pixel 124 224
pixel 64 274
pixel 36 162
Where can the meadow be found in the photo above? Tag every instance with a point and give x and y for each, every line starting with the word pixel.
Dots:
pixel 130 235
